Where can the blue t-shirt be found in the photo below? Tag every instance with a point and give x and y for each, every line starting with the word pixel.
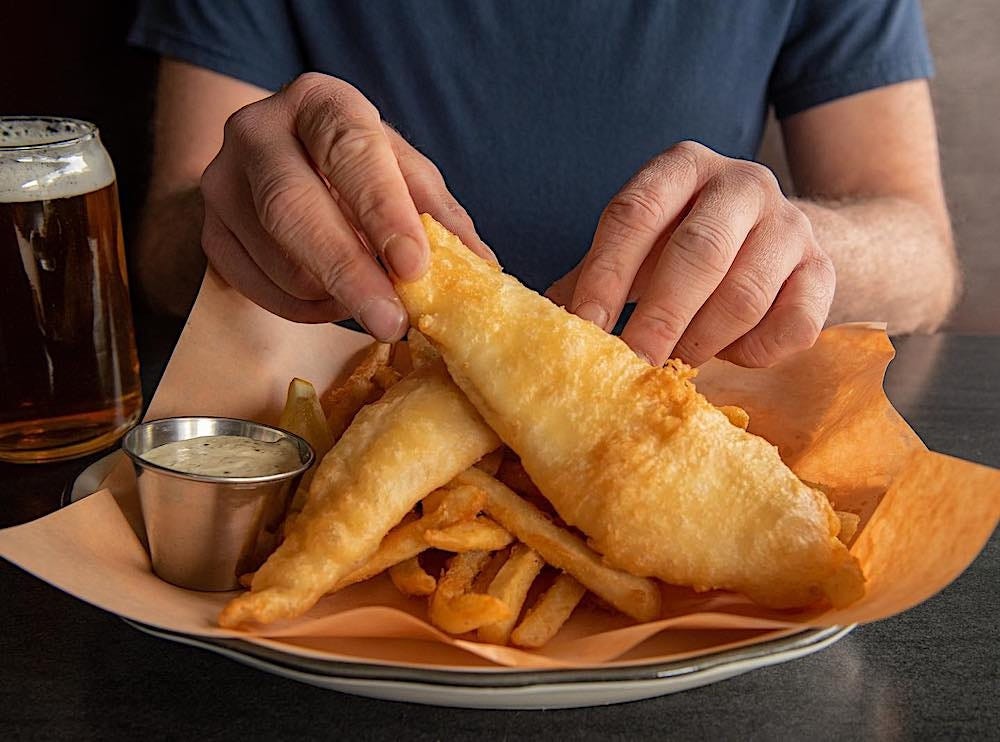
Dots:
pixel 538 111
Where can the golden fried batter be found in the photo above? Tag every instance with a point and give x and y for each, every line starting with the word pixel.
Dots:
pixel 662 481
pixel 415 439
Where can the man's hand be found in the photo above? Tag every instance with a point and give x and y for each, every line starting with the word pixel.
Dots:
pixel 310 186
pixel 719 261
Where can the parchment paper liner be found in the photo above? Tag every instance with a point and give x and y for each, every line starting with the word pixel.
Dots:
pixel 925 516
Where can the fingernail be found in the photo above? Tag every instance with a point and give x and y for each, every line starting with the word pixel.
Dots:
pixel 490 255
pixel 593 312
pixel 383 318
pixel 646 358
pixel 406 257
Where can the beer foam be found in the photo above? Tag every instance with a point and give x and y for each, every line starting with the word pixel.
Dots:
pixel 66 159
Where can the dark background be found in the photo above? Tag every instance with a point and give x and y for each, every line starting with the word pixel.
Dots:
pixel 60 58
pixel 70 58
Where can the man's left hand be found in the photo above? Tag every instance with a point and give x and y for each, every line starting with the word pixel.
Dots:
pixel 717 259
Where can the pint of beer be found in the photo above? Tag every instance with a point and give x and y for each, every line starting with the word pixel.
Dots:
pixel 69 375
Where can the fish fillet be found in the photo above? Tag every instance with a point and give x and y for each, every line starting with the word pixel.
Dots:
pixel 415 439
pixel 660 480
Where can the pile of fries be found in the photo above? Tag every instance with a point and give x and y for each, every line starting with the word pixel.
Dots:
pixel 486 552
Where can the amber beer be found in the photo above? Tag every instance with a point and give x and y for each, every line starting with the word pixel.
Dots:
pixel 69 375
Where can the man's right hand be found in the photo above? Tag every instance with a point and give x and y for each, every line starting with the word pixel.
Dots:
pixel 309 187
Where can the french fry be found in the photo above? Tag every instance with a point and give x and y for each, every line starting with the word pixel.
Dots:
pixel 512 474
pixel 549 613
pixel 481 534
pixel 411 579
pixel 303 416
pixel 434 499
pixel 490 463
pixel 849 523
pixel 637 597
pixel 490 571
pixel 422 353
pixel 407 541
pixel 343 402
pixel 456 610
pixel 386 377
pixel 511 586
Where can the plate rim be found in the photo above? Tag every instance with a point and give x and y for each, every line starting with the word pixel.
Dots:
pixel 502 677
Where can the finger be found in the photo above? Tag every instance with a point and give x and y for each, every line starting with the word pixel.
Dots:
pixel 771 252
pixel 430 194
pixel 236 268
pixel 295 208
pixel 694 262
pixel 561 292
pixel 794 321
pixel 343 133
pixel 238 215
pixel 631 226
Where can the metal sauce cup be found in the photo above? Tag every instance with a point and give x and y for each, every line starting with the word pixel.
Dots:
pixel 206 531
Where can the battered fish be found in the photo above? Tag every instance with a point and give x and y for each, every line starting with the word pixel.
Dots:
pixel 415 439
pixel 660 480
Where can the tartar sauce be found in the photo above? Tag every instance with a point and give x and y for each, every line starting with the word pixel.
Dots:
pixel 226 456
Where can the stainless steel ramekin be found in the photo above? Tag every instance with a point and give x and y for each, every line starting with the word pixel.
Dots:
pixel 204 532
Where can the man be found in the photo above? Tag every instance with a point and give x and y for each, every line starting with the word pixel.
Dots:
pixel 537 112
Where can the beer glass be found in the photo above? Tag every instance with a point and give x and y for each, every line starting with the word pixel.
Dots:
pixel 69 374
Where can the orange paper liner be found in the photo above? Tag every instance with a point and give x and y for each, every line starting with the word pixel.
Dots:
pixel 925 516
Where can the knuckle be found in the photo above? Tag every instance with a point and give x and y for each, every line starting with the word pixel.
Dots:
pixel 279 207
pixel 681 162
pixel 453 210
pixel 636 208
pixel 416 165
pixel 799 328
pixel 337 272
pixel 320 98
pixel 706 243
pixel 745 298
pixel 795 328
pixel 607 264
pixel 309 80
pixel 348 147
pixel 793 221
pixel 753 352
pixel 242 126
pixel 689 150
pixel 210 185
pixel 661 320
pixel 756 174
pixel 825 270
pixel 370 205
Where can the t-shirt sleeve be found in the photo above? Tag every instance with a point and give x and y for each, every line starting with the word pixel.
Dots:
pixel 251 40
pixel 836 48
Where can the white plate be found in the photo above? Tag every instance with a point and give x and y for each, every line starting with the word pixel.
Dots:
pixel 503 689
pixel 515 689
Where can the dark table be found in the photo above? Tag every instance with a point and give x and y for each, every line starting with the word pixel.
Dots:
pixel 70 671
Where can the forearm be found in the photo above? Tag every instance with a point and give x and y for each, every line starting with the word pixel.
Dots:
pixel 894 260
pixel 170 262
